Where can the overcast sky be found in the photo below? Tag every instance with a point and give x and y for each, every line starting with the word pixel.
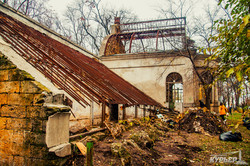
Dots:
pixel 144 9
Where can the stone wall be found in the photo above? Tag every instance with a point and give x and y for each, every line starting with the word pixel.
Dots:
pixel 22 119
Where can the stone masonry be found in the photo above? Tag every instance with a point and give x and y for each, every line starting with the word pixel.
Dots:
pixel 23 119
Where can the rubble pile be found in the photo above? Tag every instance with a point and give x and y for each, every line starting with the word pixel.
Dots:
pixel 199 121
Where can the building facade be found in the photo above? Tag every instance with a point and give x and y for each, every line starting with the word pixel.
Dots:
pixel 168 76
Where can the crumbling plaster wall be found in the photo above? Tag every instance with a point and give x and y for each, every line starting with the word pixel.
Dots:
pixel 148 73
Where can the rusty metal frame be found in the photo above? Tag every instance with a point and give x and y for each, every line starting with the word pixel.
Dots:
pixel 153 24
pixel 130 43
pixel 157 37
pixel 164 28
pixel 82 77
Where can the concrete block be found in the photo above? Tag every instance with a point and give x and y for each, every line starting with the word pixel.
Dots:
pixel 18 160
pixel 76 126
pixel 20 99
pixel 62 150
pixel 39 152
pixel 6 136
pixel 4 75
pixel 3 122
pixel 58 99
pixel 16 74
pixel 35 112
pixel 51 109
pixel 18 149
pixel 39 99
pixel 15 124
pixel 28 87
pixel 35 138
pixel 18 137
pixel 37 125
pixel 3 99
pixel 9 87
pixel 13 111
pixel 6 159
pixel 6 148
pixel 57 129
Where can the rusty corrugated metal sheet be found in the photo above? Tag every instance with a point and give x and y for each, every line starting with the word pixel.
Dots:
pixel 80 76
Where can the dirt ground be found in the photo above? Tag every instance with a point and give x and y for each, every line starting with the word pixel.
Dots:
pixel 164 146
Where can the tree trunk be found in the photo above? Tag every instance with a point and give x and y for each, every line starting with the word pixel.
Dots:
pixel 237 98
pixel 208 91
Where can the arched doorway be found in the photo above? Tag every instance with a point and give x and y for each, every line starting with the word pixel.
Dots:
pixel 174 91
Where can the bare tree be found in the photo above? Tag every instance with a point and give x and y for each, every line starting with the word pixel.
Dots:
pixel 201 28
pixel 232 93
pixel 37 10
pixel 183 8
pixel 178 8
pixel 204 28
pixel 89 22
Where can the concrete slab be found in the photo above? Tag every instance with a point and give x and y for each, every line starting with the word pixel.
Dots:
pixel 57 129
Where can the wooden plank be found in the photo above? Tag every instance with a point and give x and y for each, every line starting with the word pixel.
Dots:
pixel 136 111
pixel 124 112
pixel 103 113
pixel 87 133
pixel 82 148
pixel 109 130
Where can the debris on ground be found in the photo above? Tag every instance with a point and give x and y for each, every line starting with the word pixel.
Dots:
pixel 136 142
pixel 230 136
pixel 246 122
pixel 200 121
pixel 151 141
pixel 166 120
pixel 115 129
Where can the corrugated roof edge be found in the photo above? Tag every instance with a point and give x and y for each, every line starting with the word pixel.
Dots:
pixel 34 22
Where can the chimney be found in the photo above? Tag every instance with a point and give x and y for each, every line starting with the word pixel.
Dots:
pixel 117 20
pixel 116 27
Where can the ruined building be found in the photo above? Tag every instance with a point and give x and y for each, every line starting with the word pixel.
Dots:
pixel 153 56
pixel 50 86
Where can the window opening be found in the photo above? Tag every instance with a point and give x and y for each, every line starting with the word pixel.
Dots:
pixel 174 89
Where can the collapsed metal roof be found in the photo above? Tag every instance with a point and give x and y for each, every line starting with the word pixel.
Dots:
pixel 82 77
pixel 146 36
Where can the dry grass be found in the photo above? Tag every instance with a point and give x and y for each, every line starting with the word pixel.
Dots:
pixel 211 145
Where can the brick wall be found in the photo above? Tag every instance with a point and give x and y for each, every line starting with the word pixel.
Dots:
pixel 22 119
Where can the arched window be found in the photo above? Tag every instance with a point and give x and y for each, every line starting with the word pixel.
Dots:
pixel 174 88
